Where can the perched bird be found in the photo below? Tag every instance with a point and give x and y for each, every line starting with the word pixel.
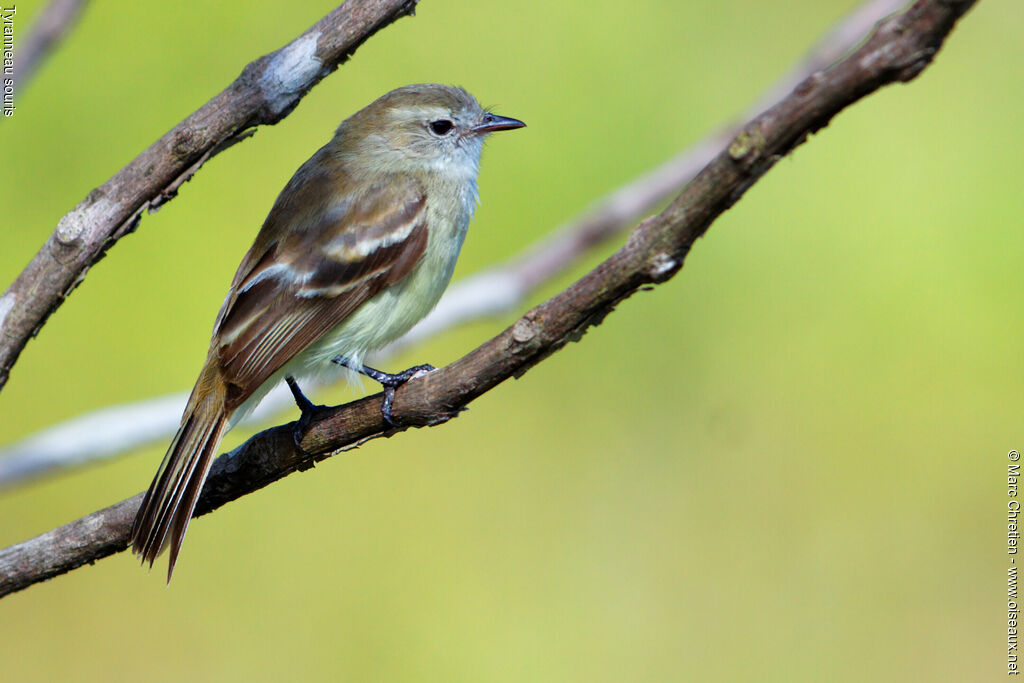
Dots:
pixel 357 248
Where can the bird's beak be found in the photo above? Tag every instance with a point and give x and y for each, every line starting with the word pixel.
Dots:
pixel 492 122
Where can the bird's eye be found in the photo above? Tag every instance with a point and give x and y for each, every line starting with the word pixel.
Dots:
pixel 441 126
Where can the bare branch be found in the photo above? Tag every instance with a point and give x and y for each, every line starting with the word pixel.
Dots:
pixel 497 291
pixel 898 50
pixel 266 91
pixel 49 29
pixel 88 438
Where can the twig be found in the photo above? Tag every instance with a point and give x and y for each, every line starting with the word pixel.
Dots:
pixel 115 430
pixel 898 50
pixel 49 29
pixel 267 90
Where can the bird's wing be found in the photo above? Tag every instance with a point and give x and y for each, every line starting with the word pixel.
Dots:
pixel 297 284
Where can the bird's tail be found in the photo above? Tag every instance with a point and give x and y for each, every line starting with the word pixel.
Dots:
pixel 167 508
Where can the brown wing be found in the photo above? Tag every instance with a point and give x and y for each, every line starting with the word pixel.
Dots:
pixel 297 284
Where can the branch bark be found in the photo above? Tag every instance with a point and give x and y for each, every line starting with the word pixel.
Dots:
pixel 113 430
pixel 268 89
pixel 897 51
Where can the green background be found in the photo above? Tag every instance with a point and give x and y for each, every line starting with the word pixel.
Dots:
pixel 788 463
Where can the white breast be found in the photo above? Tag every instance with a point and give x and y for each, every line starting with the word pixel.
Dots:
pixel 393 312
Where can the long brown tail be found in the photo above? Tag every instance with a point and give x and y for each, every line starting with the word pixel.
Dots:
pixel 167 507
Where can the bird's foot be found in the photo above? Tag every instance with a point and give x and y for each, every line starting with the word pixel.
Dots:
pixel 390 382
pixel 309 410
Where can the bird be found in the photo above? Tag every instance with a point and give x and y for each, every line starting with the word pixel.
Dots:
pixel 358 247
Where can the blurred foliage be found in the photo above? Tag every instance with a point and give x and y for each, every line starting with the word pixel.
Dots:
pixel 785 464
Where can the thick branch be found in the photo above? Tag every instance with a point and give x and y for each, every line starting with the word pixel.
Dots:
pixel 114 430
pixel 266 91
pixel 898 50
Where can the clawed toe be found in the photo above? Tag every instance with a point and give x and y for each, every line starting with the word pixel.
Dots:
pixel 301 426
pixel 310 411
pixel 413 372
pixel 389 381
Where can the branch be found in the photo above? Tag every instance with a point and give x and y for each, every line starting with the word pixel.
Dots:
pixel 898 50
pixel 267 90
pixel 114 430
pixel 47 32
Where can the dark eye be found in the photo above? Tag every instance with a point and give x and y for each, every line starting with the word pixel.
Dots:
pixel 441 126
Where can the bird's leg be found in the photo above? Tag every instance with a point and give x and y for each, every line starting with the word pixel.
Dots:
pixel 308 408
pixel 389 381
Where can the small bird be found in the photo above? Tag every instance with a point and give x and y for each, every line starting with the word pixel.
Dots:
pixel 357 248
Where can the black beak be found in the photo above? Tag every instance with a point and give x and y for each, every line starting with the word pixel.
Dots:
pixel 492 122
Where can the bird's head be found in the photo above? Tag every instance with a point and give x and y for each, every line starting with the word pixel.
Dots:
pixel 426 127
